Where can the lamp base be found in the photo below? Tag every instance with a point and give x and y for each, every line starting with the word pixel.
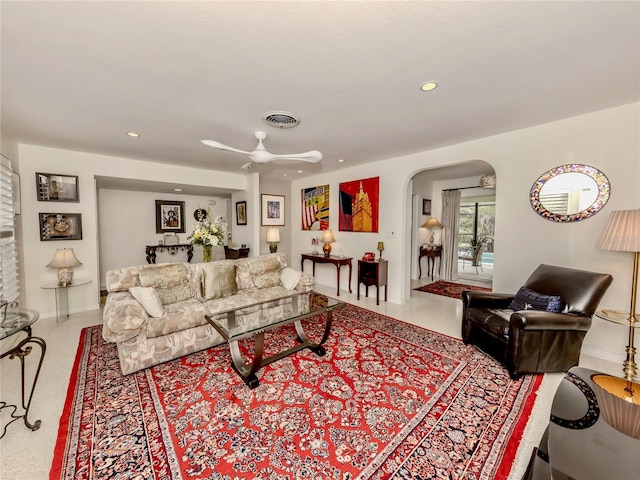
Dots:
pixel 273 247
pixel 327 249
pixel 65 276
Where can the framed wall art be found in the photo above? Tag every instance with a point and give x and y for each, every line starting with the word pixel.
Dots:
pixel 426 206
pixel 60 226
pixel 315 208
pixel 241 213
pixel 272 210
pixel 359 205
pixel 54 187
pixel 169 216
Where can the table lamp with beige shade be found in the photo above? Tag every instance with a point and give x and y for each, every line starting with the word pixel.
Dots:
pixel 64 260
pixel 431 224
pixel 273 237
pixel 619 398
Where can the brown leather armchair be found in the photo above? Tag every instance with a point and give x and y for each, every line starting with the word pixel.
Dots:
pixel 534 341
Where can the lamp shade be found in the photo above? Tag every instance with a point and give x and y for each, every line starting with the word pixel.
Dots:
pixel 64 257
pixel 380 246
pixel 328 237
pixel 432 223
pixel 622 233
pixel 273 235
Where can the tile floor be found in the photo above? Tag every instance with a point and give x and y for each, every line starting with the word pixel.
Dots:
pixel 28 455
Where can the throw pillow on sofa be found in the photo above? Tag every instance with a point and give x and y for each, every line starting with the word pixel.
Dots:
pixel 290 278
pixel 527 299
pixel 149 299
pixel 218 280
pixel 265 273
pixel 171 281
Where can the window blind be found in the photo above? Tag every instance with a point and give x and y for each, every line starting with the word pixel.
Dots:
pixel 9 286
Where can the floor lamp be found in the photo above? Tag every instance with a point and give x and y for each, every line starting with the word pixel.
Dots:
pixel 620 398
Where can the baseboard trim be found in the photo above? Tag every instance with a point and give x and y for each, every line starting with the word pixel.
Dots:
pixel 603 355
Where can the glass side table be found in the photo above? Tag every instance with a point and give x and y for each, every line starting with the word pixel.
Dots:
pixel 62 295
pixel 14 320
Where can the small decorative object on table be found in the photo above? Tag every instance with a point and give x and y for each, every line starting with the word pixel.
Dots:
pixel 315 241
pixel 208 233
pixel 380 248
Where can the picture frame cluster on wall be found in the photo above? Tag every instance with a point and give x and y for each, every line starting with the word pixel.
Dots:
pixel 58 187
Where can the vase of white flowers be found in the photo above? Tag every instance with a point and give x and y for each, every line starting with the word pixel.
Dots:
pixel 208 232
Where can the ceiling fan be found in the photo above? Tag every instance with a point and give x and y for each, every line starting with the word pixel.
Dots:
pixel 261 155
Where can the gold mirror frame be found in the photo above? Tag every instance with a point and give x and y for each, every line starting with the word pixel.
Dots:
pixel 602 182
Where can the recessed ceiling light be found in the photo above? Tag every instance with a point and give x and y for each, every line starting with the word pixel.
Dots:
pixel 299 171
pixel 428 86
pixel 133 134
pixel 341 160
pixel 285 175
pixel 177 189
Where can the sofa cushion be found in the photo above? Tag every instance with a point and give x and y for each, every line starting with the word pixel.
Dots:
pixel 149 299
pixel 218 280
pixel 265 274
pixel 171 281
pixel 527 299
pixel 177 316
pixel 265 270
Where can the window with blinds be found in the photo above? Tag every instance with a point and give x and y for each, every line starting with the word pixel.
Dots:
pixel 9 287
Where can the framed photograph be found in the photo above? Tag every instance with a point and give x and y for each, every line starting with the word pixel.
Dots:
pixel 426 206
pixel 241 213
pixel 60 226
pixel 53 187
pixel 169 216
pixel 272 210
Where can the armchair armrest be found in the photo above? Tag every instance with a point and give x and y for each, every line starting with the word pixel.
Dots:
pixel 539 320
pixel 476 299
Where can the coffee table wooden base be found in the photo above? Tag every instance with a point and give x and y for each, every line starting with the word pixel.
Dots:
pixel 248 372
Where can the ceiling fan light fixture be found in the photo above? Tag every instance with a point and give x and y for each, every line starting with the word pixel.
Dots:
pixel 279 119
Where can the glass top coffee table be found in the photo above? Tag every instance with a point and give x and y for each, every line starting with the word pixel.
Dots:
pixel 254 319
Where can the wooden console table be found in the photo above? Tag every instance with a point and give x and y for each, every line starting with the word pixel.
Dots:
pixel 337 261
pixel 373 273
pixel 431 252
pixel 233 253
pixel 172 249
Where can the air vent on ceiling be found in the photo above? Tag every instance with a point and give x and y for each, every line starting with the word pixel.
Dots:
pixel 281 119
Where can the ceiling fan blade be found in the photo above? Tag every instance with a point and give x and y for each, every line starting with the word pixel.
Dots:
pixel 313 156
pixel 221 146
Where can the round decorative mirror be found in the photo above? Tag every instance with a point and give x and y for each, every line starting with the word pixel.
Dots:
pixel 570 193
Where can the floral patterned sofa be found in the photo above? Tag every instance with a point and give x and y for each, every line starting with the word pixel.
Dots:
pixel 155 313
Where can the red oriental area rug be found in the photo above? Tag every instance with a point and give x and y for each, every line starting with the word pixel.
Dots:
pixel 388 400
pixel 449 289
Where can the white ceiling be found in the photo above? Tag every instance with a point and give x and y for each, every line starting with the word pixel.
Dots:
pixel 79 75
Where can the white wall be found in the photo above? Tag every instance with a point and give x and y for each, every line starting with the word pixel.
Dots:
pixel 86 166
pixel 127 223
pixel 607 140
